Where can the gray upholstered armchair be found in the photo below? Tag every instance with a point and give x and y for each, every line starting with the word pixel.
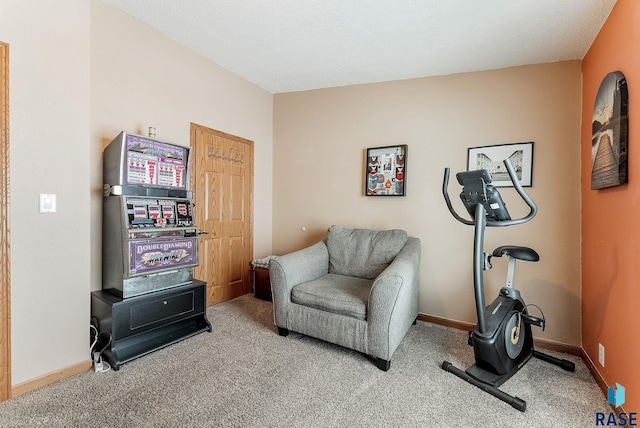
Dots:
pixel 359 289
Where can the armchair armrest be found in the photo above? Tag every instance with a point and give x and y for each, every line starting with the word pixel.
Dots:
pixel 393 301
pixel 289 270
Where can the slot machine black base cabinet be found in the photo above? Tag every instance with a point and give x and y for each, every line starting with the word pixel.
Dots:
pixel 143 324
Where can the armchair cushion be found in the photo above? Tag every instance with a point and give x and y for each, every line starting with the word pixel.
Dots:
pixel 363 253
pixel 342 295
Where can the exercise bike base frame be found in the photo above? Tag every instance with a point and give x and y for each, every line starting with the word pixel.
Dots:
pixel 495 379
pixel 474 374
pixel 514 401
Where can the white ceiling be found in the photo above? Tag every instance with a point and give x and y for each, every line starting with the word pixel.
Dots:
pixel 295 45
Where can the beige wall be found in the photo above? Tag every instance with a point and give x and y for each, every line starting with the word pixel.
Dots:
pixel 141 78
pixel 49 134
pixel 320 139
pixel 80 72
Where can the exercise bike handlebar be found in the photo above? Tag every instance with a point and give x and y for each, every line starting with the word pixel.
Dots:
pixel 533 208
pixel 445 185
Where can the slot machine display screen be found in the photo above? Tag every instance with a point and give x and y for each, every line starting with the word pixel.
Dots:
pixel 155 164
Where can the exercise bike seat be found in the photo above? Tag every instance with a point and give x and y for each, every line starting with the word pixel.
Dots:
pixel 520 253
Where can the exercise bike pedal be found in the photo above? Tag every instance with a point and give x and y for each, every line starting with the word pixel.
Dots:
pixel 537 321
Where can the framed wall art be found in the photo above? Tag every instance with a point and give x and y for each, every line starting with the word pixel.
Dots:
pixel 492 159
pixel 609 133
pixel 386 171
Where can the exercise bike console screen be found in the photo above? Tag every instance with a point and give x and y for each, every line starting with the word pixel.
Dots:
pixel 477 190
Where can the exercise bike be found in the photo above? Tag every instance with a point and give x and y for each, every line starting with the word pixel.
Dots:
pixel 502 339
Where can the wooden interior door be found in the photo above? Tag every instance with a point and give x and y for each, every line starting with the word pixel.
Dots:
pixel 5 272
pixel 222 182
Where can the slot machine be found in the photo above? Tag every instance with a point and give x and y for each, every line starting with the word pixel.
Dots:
pixel 149 249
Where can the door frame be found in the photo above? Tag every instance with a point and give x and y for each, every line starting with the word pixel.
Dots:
pixel 5 270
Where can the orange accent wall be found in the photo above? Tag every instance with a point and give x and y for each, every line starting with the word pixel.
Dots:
pixel 611 217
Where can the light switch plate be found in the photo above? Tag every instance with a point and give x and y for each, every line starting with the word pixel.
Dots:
pixel 47 203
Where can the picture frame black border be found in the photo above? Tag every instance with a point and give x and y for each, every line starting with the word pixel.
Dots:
pixel 527 147
pixel 404 148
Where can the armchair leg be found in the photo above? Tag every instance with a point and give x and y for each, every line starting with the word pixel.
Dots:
pixel 383 365
pixel 283 331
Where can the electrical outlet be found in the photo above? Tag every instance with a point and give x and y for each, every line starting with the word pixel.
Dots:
pixel 601 354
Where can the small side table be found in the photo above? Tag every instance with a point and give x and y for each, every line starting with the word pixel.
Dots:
pixel 261 281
